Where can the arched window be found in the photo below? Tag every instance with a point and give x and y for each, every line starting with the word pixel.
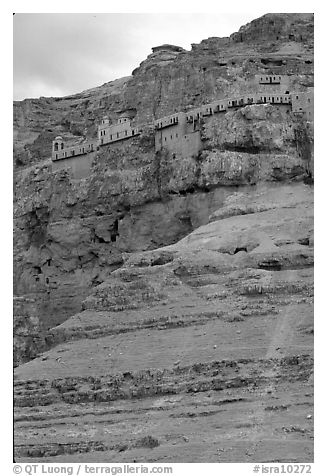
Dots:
pixel 62 145
pixel 56 146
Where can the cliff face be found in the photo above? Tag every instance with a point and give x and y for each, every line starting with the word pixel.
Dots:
pixel 164 304
pixel 70 235
pixel 297 27
pixel 196 352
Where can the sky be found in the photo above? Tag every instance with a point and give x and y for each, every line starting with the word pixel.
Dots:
pixel 57 54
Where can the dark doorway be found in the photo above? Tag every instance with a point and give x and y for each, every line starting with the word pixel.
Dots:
pixel 114 231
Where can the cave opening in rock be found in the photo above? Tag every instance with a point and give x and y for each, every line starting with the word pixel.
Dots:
pixel 304 241
pixel 270 265
pixel 114 232
pixel 101 240
pixel 241 248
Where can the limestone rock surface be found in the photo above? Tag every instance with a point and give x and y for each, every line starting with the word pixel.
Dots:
pixel 164 304
pixel 203 347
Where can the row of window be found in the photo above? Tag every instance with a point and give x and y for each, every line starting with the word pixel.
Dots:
pixel 309 100
pixel 236 102
pixel 171 137
pixel 301 111
pixel 173 120
pixel 119 135
pixel 72 152
pixel 120 121
pixel 270 78
pixel 232 103
pixel 56 146
pixel 103 133
pixel 274 98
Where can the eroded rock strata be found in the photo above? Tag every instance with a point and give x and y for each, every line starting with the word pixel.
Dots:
pixel 205 346
pixel 167 302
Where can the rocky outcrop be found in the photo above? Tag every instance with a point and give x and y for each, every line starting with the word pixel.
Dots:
pixel 28 339
pixel 38 121
pixel 164 303
pixel 70 235
pixel 257 128
pixel 206 343
pixel 297 27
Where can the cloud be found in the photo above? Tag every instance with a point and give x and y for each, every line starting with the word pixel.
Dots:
pixel 57 54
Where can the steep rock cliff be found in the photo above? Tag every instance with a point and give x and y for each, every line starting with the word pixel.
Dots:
pixel 70 235
pixel 196 352
pixel 164 307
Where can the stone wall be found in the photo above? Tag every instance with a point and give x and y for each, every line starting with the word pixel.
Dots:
pixel 79 166
pixel 116 132
pixel 173 139
pixel 303 104
pixel 67 151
